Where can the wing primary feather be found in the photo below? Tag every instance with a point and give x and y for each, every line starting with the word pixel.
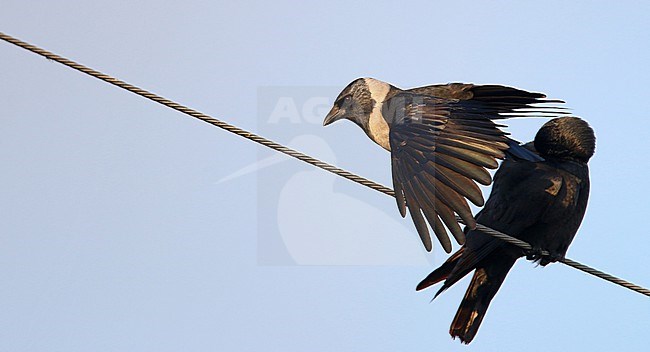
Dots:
pixel 516 99
pixel 418 220
pixel 443 210
pixel 397 188
pixel 430 213
pixel 477 122
pixel 459 183
pixel 500 144
pixel 447 216
pixel 474 146
pixel 469 156
pixel 479 136
pixel 466 127
pixel 463 167
pixel 414 209
pixel 448 196
pixel 441 233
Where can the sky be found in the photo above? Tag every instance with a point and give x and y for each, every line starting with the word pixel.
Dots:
pixel 127 226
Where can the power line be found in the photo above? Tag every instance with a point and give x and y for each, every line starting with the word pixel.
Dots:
pixel 291 152
pixel 572 263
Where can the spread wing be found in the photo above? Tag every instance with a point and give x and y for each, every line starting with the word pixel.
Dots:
pixel 441 148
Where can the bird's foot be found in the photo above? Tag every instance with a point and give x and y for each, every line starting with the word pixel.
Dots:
pixel 551 258
pixel 536 255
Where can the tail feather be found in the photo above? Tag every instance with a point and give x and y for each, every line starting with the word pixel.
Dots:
pixel 442 272
pixel 485 284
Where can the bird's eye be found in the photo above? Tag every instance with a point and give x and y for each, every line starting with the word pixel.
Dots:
pixel 345 100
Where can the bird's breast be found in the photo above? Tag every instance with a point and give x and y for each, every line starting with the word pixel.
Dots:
pixel 378 127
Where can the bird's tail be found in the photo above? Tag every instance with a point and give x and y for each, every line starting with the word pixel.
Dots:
pixel 442 272
pixel 484 286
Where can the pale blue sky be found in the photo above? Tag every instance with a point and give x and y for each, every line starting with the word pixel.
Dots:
pixel 121 230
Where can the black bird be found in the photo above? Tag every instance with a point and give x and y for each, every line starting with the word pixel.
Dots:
pixel 541 202
pixel 441 138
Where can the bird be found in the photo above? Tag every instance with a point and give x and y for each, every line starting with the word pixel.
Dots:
pixel 540 202
pixel 442 139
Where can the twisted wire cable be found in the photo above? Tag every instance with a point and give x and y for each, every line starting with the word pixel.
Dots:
pixel 291 152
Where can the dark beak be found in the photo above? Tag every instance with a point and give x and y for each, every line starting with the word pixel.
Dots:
pixel 335 114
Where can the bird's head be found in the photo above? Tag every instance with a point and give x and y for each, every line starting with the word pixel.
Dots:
pixel 357 101
pixel 566 138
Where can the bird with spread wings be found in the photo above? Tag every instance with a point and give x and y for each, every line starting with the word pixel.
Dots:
pixel 442 140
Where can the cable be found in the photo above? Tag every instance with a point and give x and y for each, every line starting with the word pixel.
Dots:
pixel 572 263
pixel 201 116
pixel 291 152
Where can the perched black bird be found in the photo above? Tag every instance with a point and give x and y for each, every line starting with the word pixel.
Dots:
pixel 542 203
pixel 441 138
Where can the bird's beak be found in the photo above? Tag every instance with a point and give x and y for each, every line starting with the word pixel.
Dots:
pixel 333 115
